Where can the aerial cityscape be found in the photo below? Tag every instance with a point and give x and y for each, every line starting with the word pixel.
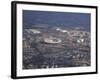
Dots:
pixel 56 40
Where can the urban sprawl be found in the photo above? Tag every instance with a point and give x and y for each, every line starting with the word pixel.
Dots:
pixel 55 47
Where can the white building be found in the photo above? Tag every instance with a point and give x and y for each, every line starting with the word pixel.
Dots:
pixel 52 40
pixel 80 40
pixel 35 31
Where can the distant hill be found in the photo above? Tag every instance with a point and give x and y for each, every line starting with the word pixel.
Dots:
pixel 52 19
